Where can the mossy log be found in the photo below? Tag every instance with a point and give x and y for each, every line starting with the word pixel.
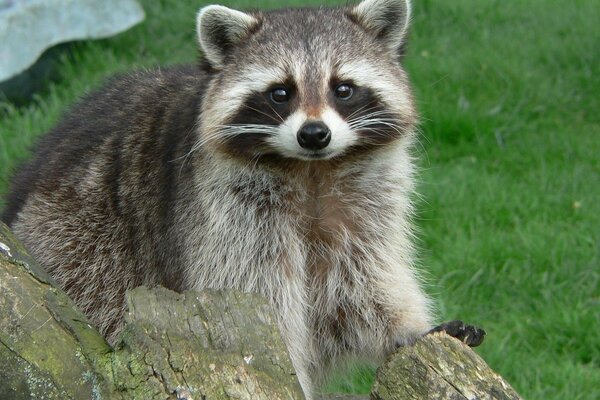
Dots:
pixel 439 367
pixel 208 345
pixel 189 346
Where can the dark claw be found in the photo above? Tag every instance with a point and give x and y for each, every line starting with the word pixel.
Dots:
pixel 468 334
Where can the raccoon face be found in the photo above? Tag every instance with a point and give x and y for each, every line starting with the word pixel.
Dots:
pixel 308 84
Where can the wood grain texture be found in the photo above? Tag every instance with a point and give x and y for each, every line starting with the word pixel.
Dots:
pixel 439 367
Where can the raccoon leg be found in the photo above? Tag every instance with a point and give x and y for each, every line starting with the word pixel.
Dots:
pixel 300 355
pixel 468 334
pixel 406 308
pixel 295 332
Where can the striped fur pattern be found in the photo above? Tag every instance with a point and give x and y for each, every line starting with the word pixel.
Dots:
pixel 193 177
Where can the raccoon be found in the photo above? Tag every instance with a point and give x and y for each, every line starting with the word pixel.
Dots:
pixel 280 165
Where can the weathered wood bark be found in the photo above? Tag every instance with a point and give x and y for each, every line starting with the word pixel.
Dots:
pixel 190 346
pixel 217 344
pixel 439 367
pixel 47 348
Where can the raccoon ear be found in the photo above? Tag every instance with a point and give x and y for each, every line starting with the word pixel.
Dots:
pixel 220 28
pixel 387 20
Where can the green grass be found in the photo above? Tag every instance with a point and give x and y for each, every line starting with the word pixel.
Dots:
pixel 509 92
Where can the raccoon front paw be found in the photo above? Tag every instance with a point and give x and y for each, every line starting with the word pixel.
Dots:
pixel 468 334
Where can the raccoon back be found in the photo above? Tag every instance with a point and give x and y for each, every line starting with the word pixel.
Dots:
pixel 113 166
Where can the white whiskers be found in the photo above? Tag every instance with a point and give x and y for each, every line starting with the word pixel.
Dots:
pixel 225 132
pixel 380 122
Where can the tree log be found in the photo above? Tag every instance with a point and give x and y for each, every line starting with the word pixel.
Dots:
pixel 439 366
pixel 208 345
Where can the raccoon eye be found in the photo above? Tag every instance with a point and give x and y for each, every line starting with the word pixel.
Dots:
pixel 344 91
pixel 280 95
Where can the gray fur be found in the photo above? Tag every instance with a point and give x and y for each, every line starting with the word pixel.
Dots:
pixel 145 182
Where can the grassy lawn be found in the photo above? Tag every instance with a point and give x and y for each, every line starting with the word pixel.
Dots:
pixel 509 93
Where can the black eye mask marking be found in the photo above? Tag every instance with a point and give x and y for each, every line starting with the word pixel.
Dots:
pixel 366 114
pixel 264 110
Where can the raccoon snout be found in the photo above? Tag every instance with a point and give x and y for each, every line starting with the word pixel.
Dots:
pixel 314 135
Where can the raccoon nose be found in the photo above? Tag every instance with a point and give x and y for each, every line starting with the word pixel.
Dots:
pixel 314 135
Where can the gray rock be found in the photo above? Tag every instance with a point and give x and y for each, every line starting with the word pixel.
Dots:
pixel 28 27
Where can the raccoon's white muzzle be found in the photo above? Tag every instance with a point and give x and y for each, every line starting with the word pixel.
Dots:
pixel 311 138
